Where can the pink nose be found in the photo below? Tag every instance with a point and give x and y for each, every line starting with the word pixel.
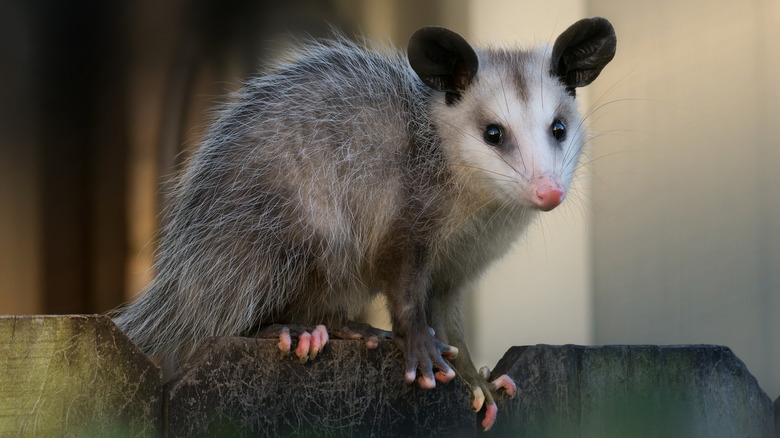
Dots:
pixel 548 198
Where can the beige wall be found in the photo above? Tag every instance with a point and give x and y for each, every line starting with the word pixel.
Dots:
pixel 677 238
pixel 686 216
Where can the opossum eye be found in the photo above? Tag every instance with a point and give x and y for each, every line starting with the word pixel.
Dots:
pixel 558 130
pixel 494 135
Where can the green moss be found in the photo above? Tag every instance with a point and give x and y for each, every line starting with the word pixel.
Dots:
pixel 74 376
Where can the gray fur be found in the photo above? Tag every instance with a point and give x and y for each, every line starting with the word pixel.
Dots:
pixel 336 177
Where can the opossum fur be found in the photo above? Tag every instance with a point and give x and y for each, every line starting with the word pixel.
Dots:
pixel 344 172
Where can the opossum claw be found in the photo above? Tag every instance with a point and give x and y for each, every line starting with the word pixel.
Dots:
pixel 483 392
pixel 444 375
pixel 319 337
pixel 483 398
pixel 491 411
pixel 304 340
pixel 361 330
pixel 426 382
pixel 502 381
pixel 506 382
pixel 285 342
pixel 450 353
pixel 280 332
pixel 479 399
pixel 310 341
pixel 424 354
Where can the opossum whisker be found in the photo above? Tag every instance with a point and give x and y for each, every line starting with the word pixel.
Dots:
pixel 493 151
pixel 606 92
pixel 522 175
pixel 482 169
pixel 506 104
pixel 586 164
pixel 506 100
pixel 467 218
pixel 574 155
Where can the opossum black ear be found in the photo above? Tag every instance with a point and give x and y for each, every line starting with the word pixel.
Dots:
pixel 582 50
pixel 443 59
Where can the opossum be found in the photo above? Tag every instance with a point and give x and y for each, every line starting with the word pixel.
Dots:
pixel 349 171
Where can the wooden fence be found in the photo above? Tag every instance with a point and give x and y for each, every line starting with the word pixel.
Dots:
pixel 78 375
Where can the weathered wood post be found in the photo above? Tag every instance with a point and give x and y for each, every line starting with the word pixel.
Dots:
pixel 80 376
pixel 632 391
pixel 75 376
pixel 241 387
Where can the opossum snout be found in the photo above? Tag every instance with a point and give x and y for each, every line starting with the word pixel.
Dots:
pixel 548 196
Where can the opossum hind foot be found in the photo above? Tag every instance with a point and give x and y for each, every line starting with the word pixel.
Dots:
pixel 311 340
pixel 361 330
pixel 484 390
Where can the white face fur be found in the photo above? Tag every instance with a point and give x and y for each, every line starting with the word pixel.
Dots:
pixel 516 133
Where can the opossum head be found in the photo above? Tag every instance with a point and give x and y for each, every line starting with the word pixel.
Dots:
pixel 507 119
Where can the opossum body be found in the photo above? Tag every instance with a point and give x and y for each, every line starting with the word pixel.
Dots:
pixel 348 172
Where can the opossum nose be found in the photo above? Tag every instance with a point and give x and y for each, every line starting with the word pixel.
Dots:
pixel 547 198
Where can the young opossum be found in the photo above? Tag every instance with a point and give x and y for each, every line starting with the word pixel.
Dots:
pixel 347 172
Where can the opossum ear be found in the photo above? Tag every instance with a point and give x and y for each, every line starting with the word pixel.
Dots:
pixel 582 50
pixel 443 59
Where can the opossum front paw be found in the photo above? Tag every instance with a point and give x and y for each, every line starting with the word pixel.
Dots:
pixel 361 330
pixel 483 392
pixel 423 354
pixel 310 340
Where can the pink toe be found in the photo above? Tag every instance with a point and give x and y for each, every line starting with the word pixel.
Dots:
pixel 304 340
pixel 445 376
pixel 451 353
pixel 323 333
pixel 506 382
pixel 426 382
pixel 479 400
pixel 316 344
pixel 491 411
pixel 285 342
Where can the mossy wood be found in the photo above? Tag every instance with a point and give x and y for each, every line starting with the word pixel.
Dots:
pixel 75 376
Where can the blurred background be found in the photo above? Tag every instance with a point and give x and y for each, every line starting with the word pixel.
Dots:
pixel 671 234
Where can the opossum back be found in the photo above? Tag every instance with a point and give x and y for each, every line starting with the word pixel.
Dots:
pixel 289 194
pixel 332 131
pixel 304 172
